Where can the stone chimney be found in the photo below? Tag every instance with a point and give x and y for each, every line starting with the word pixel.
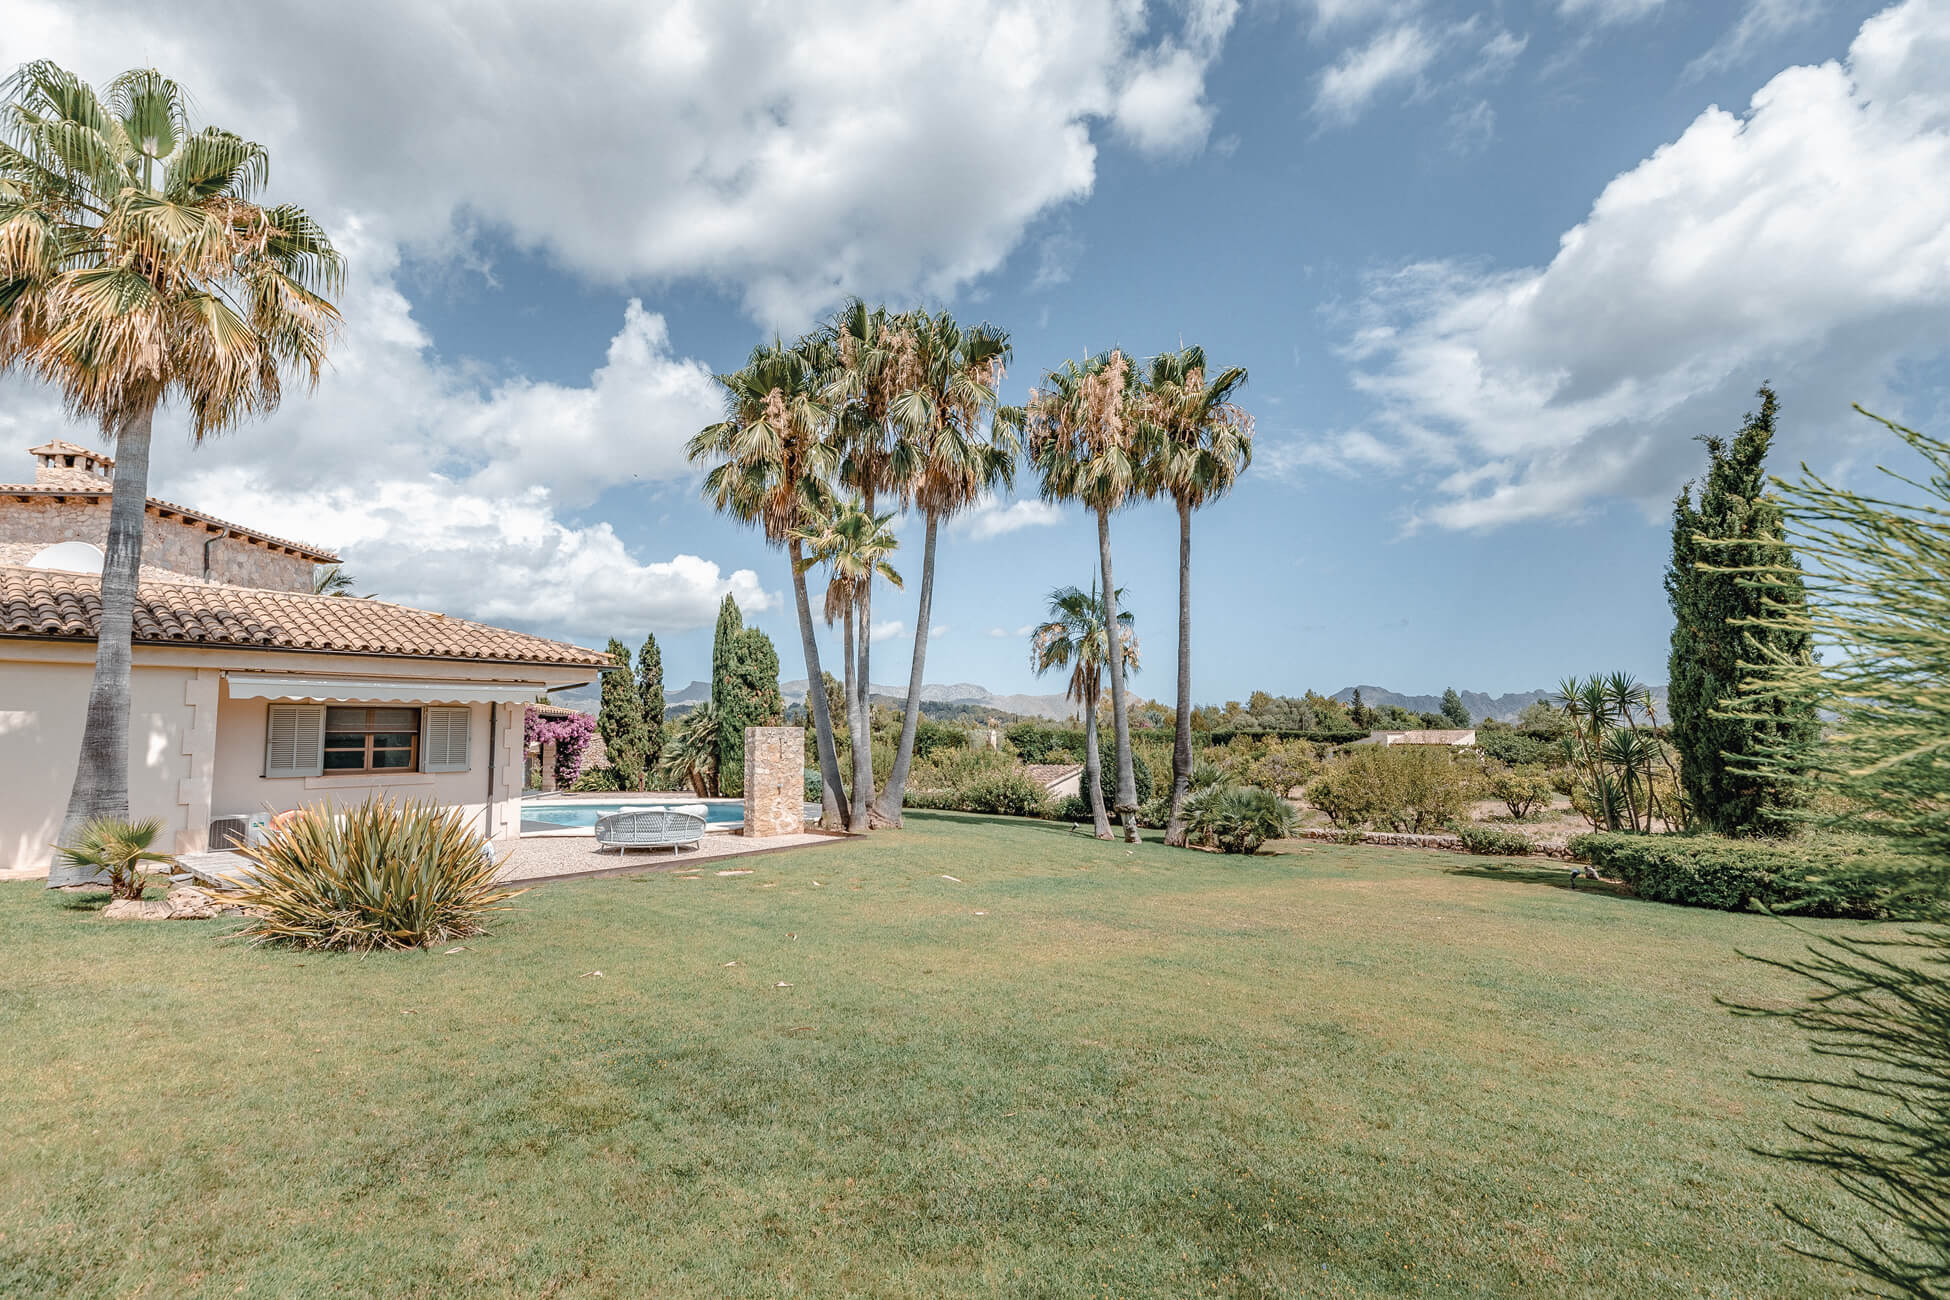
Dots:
pixel 60 464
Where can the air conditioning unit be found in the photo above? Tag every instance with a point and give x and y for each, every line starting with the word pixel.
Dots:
pixel 230 831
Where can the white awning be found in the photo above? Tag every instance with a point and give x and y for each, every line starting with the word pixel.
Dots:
pixel 378 690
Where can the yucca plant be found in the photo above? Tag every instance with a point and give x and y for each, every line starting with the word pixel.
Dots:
pixel 119 848
pixel 381 875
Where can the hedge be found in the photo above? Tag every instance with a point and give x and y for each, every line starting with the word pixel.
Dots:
pixel 1821 876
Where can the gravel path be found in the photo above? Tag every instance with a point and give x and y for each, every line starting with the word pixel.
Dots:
pixel 553 855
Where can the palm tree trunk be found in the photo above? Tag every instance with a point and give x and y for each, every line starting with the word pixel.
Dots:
pixel 846 692
pixel 832 794
pixel 862 712
pixel 1181 739
pixel 887 809
pixel 101 779
pixel 1119 725
pixel 1093 768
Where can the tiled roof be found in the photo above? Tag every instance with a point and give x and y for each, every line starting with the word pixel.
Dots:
pixel 1049 774
pixel 62 447
pixel 101 488
pixel 49 603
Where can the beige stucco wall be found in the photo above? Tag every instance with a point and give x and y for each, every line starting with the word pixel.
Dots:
pixel 171 545
pixel 41 707
pixel 195 752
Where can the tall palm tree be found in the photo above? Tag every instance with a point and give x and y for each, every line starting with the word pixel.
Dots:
pixel 967 450
pixel 1202 441
pixel 768 465
pixel 855 546
pixel 869 355
pixel 1077 637
pixel 135 267
pixel 1087 444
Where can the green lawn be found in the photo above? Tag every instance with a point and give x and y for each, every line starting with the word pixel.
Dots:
pixel 1077 1070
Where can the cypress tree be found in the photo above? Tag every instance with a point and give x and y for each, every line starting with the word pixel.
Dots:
pixel 1717 637
pixel 619 721
pixel 730 624
pixel 650 686
pixel 1453 710
pixel 751 699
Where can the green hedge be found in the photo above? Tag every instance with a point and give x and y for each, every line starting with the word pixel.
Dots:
pixel 1822 876
pixel 1493 841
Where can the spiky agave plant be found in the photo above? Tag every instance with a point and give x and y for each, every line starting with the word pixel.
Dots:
pixel 380 875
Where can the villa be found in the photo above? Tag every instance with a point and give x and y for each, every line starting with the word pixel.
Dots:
pixel 249 693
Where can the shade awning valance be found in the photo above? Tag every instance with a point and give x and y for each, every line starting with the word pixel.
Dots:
pixel 378 690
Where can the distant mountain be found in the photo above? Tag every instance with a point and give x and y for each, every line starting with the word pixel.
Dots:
pixel 965 693
pixel 1504 708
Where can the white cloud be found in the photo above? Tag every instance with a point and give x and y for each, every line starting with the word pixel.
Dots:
pixel 863 146
pixel 887 631
pixel 998 631
pixel 1750 247
pixel 1056 255
pixel 1496 57
pixel 1759 22
pixel 1393 56
pixel 1607 12
pixel 1472 129
pixel 990 518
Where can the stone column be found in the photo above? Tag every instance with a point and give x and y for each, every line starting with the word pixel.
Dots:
pixel 775 781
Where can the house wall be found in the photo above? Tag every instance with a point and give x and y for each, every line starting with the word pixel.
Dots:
pixel 41 707
pixel 173 546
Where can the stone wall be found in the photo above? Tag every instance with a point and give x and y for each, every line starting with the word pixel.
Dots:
pixel 775 781
pixel 174 546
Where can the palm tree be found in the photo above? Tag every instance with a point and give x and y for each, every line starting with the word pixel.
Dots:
pixel 1202 442
pixel 769 464
pixel 967 450
pixel 1077 637
pixel 691 753
pixel 1087 446
pixel 135 267
pixel 333 580
pixel 869 355
pixel 855 545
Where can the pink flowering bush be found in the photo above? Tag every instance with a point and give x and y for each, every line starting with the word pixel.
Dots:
pixel 571 736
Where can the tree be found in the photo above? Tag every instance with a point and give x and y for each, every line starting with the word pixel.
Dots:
pixel 1202 442
pixel 768 460
pixel 730 623
pixel 855 546
pixel 1730 567
pixel 333 580
pixel 965 454
pixel 1088 448
pixel 619 720
pixel 690 756
pixel 751 699
pixel 1076 637
pixel 1454 712
pixel 650 686
pixel 136 266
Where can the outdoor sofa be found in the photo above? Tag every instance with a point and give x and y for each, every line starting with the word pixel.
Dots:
pixel 673 826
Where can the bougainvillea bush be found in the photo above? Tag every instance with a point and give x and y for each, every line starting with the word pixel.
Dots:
pixel 571 736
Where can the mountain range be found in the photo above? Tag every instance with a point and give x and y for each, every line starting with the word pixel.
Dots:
pixel 1504 708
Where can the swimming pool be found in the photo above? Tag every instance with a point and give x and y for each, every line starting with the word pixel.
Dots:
pixel 539 816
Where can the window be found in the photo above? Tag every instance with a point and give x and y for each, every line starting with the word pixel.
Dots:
pixel 371 739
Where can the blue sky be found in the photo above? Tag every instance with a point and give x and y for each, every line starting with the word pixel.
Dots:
pixel 1491 270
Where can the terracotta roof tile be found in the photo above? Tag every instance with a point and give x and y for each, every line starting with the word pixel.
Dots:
pixel 62 447
pixel 45 602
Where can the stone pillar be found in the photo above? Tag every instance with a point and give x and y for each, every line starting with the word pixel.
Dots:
pixel 546 777
pixel 775 781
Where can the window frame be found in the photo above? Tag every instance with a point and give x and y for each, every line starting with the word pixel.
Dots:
pixel 370 730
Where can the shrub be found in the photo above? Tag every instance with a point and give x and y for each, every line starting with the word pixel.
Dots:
pixel 381 875
pixel 1519 748
pixel 815 785
pixel 1011 794
pixel 118 848
pixel 1523 793
pixel 1396 788
pixel 1284 765
pixel 1817 877
pixel 1072 808
pixel 597 780
pixel 1491 841
pixel 1238 818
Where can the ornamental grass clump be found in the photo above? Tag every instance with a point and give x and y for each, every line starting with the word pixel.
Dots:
pixel 381 875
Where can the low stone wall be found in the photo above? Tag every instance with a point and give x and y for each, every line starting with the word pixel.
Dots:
pixel 1398 840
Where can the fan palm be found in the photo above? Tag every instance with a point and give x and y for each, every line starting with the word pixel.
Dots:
pixel 855 546
pixel 691 753
pixel 135 267
pixel 967 450
pixel 769 464
pixel 1201 443
pixel 1077 637
pixel 115 849
pixel 1087 445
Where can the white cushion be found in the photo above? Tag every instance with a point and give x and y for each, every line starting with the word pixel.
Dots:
pixel 694 809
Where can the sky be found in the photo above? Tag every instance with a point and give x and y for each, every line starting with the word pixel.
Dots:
pixel 1492 270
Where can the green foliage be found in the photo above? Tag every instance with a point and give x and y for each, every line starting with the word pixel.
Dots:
pixel 1107 764
pixel 1882 1128
pixel 620 721
pixel 650 686
pixel 1238 818
pixel 1007 793
pixel 1539 719
pixel 1454 712
pixel 1494 842
pixel 1627 780
pixel 730 623
pixel 379 875
pixel 815 785
pixel 1412 788
pixel 119 849
pixel 690 756
pixel 1075 808
pixel 1520 748
pixel 1523 792
pixel 749 690
pixel 1824 876
pixel 931 737
pixel 597 780
pixel 1738 599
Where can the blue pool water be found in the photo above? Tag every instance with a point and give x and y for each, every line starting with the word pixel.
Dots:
pixel 720 814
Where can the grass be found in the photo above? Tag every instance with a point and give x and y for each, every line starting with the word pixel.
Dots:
pixel 1077 1070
